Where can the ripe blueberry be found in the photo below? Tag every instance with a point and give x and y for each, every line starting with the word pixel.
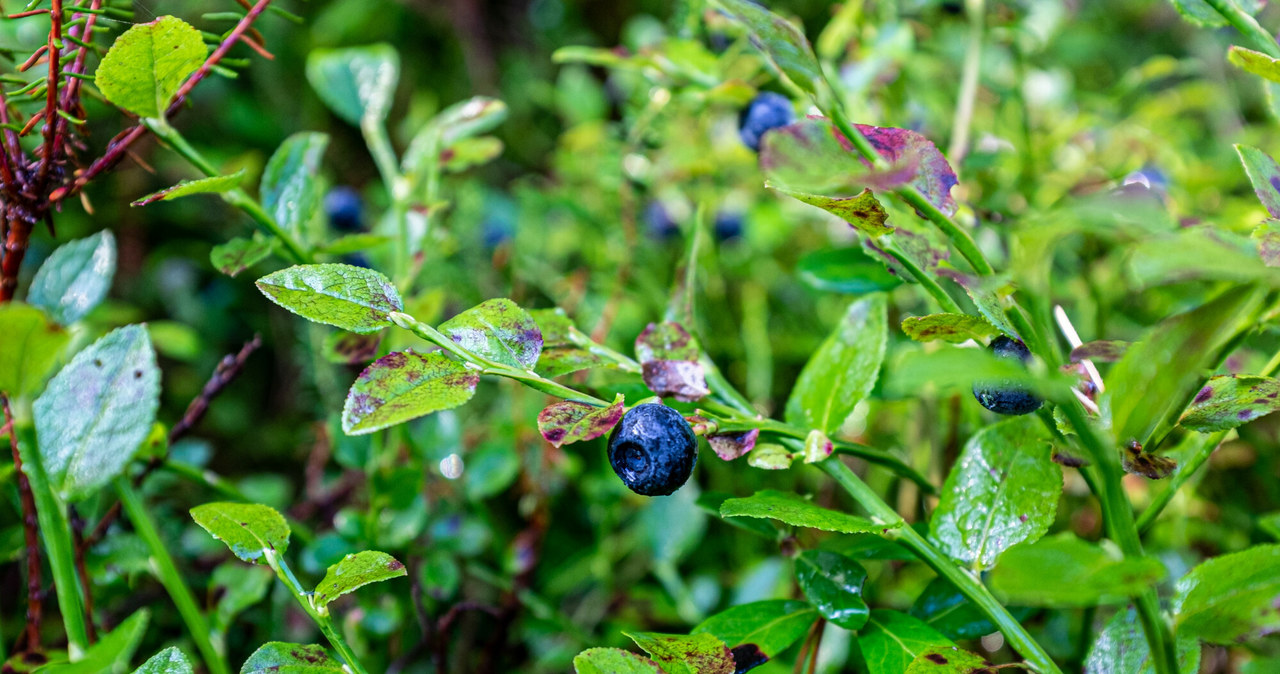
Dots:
pixel 766 111
pixel 728 225
pixel 653 450
pixel 658 222
pixel 1005 397
pixel 345 209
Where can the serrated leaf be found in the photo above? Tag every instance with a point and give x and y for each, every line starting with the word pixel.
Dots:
pixel 239 254
pixel 567 422
pixel 863 212
pixel 169 661
pixel 33 345
pixel 75 278
pixel 784 44
pixel 356 83
pixel 249 530
pixel 499 330
pixel 1002 491
pixel 1264 173
pixel 405 385
pixel 354 572
pixel 96 411
pixel 1084 574
pixel 1230 599
pixel 891 640
pixel 212 185
pixel 148 63
pixel 948 660
pixel 669 361
pixel 954 328
pixel 1229 401
pixel 352 298
pixel 796 511
pixel 833 584
pixel 613 661
pixel 701 653
pixel 843 370
pixel 290 186
pixel 277 657
pixel 1121 648
pixel 988 294
pixel 112 652
pixel 772 625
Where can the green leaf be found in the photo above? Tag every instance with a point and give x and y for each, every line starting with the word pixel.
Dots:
pixel 1160 373
pixel 565 348
pixel 148 63
pixel 1084 574
pixel 352 298
pixel 212 185
pixel 1270 523
pixel 1230 599
pixel 613 661
pixel 891 640
pixel 1200 253
pixel 1002 491
pixel 169 661
pixel 863 212
pixel 1254 62
pixel 700 653
pixel 569 421
pixel 33 344
pixel 989 295
pixel 772 625
pixel 471 152
pixel 948 660
pixel 499 330
pixel 237 588
pixel 1121 648
pixel 845 270
pixel 354 572
pixel 112 652
pixel 843 370
pixel 239 254
pixel 405 385
pixel 75 278
pixel 943 607
pixel 357 83
pixel 796 511
pixel 290 187
pixel 1229 401
pixel 277 657
pixel 784 44
pixel 96 411
pixel 1202 13
pixel 954 328
pixel 1264 173
pixel 249 529
pixel 833 584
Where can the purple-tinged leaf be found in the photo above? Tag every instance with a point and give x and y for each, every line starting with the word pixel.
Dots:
pixel 668 358
pixel 1104 351
pixel 1151 466
pixel 817 447
pixel 275 657
pixel 954 328
pixel 349 348
pixel 934 177
pixel 403 386
pixel 785 45
pixel 1264 173
pixel 499 330
pixel 1268 237
pixel 569 421
pixel 1229 401
pixel 863 212
pixel 666 341
pixel 730 446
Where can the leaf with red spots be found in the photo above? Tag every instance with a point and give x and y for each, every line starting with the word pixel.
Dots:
pixel 403 386
pixel 569 421
pixel 499 330
pixel 863 212
pixel 686 654
pixel 249 529
pixel 353 572
pixel 668 358
pixel 1268 237
pixel 349 348
pixel 1229 401
pixel 277 656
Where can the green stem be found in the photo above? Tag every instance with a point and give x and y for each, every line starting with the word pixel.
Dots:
pixel 56 532
pixel 1189 467
pixel 931 286
pixel 1247 25
pixel 968 584
pixel 236 197
pixel 167 573
pixel 384 156
pixel 285 574
pixel 959 146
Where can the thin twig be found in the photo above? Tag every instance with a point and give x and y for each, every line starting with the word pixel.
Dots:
pixel 30 526
pixel 82 570
pixel 47 155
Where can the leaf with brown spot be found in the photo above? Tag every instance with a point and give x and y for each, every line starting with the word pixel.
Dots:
pixel 567 422
pixel 954 328
pixel 405 385
pixel 668 357
pixel 353 572
pixel 686 654
pixel 1227 402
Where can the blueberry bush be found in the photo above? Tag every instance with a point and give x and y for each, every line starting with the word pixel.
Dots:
pixel 704 337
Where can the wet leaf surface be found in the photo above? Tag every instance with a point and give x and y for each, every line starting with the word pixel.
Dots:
pixel 248 529
pixel 402 386
pixel 795 510
pixel 348 297
pixel 499 330
pixel 700 653
pixel 1226 402
pixel 568 421
pixel 354 572
pixel 833 584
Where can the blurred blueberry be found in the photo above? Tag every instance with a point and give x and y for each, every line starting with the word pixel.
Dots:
pixel 766 111
pixel 345 209
pixel 1149 177
pixel 501 213
pixel 728 225
pixel 496 231
pixel 357 260
pixel 658 222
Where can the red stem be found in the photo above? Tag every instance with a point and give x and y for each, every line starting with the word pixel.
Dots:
pixel 30 527
pixel 47 156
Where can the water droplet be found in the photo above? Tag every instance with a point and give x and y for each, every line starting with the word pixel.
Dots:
pixel 451 467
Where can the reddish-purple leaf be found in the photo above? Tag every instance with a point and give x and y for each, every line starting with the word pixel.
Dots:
pixel 668 358
pixel 1103 350
pixel 730 446
pixel 569 421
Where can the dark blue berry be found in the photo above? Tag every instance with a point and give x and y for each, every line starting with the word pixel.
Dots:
pixel 728 225
pixel 1005 397
pixel 653 450
pixel 345 209
pixel 766 111
pixel 496 231
pixel 658 222
pixel 357 260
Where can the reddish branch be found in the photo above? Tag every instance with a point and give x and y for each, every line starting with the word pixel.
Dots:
pixel 35 593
